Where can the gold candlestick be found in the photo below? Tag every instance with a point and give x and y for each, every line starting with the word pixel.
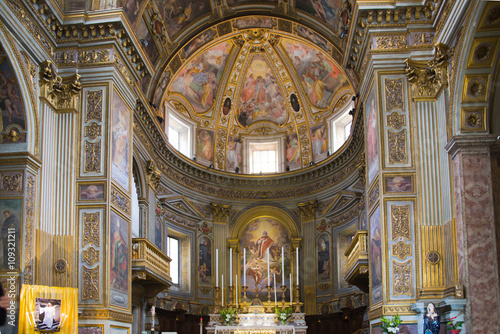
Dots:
pixel 230 304
pixel 297 299
pixel 283 288
pixel 244 300
pixel 216 300
pixel 269 308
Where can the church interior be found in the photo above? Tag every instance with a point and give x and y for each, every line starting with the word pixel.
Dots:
pixel 250 167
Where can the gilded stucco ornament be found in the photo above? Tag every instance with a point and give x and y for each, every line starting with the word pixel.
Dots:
pixel 428 78
pixel 400 217
pixel 220 212
pixel 308 210
pixel 154 175
pixel 62 96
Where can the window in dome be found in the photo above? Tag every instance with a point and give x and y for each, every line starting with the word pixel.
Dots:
pixel 341 130
pixel 179 135
pixel 173 250
pixel 263 157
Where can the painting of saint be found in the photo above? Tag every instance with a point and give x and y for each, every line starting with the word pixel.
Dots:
pixel 260 96
pixel 118 276
pixel 198 81
pixel 198 42
pixel 324 263
pixel 11 106
pixel 158 235
pixel 130 9
pixel 319 142
pixel 321 77
pixel 376 256
pixel 205 147
pixel 48 313
pixel 177 14
pixel 293 160
pixel 10 220
pixel 263 236
pixel 92 192
pixel 233 157
pixel 398 184
pixel 205 259
pixel 120 142
pixel 294 101
pixel 345 17
pixel 371 135
pixel 325 10
pixel 162 86
pixel 313 37
pixel 147 43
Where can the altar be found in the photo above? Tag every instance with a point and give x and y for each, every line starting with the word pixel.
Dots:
pixel 258 323
pixel 287 329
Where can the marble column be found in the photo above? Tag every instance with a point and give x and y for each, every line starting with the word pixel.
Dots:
pixel 476 239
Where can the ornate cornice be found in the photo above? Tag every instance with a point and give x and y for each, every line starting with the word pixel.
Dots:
pixel 62 96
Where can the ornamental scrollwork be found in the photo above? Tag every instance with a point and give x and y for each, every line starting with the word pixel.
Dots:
pixel 11 182
pixel 402 278
pixel 396 120
pixel 92 157
pixel 394 94
pixel 397 147
pixel 90 256
pixel 93 131
pixel 90 283
pixel 400 218
pixel 91 230
pixel 61 95
pixel 391 42
pixel 154 175
pixel 401 250
pixel 94 106
pixel 29 227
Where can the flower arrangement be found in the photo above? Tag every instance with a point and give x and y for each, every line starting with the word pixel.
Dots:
pixel 283 315
pixel 391 326
pixel 228 315
pixel 454 325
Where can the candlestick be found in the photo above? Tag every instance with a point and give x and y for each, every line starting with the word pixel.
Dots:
pixel 283 288
pixel 269 309
pixel 236 296
pixel 268 272
pixel 244 266
pixel 290 289
pixel 245 308
pixel 230 267
pixel 283 265
pixel 275 300
pixel 216 300
pixel 297 259
pixel 297 298
pixel 230 295
pixel 217 267
pixel 222 290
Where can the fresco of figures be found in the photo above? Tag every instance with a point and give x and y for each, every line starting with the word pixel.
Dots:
pixel 147 43
pixel 321 78
pixel 324 258
pixel 10 222
pixel 319 142
pixel 120 160
pixel 163 83
pixel 131 9
pixel 205 259
pixel 241 2
pixel 253 22
pixel 325 10
pixel 233 155
pixel 11 106
pixel 198 42
pixel 199 80
pixel 371 135
pixel 177 14
pixel 260 235
pixel 205 147
pixel 118 276
pixel 313 37
pixel 260 96
pixel 293 160
pixel 375 256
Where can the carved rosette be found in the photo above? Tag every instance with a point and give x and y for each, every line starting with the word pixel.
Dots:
pixel 397 147
pixel 91 235
pixel 308 210
pixel 402 278
pixel 220 212
pixel 428 78
pixel 400 218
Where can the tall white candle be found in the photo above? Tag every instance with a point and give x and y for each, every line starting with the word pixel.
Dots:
pixel 275 300
pixel 268 272
pixel 222 290
pixel 244 267
pixel 230 267
pixel 283 266
pixel 236 290
pixel 290 289
pixel 217 267
pixel 297 266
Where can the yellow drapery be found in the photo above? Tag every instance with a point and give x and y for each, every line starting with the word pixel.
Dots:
pixel 69 306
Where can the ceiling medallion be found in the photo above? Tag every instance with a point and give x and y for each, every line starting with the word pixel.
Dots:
pixel 256 36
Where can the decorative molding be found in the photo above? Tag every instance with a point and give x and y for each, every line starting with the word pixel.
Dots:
pixel 91 229
pixel 120 200
pixel 401 250
pixel 400 221
pixel 29 228
pixel 373 195
pixel 93 131
pixel 428 78
pixel 220 149
pixel 308 210
pixel 402 278
pixel 205 291
pixel 324 287
pixel 90 289
pixel 394 94
pixel 433 257
pixel 92 157
pixel 397 147
pixel 11 182
pixel 60 266
pixel 154 175
pixel 90 256
pixel 473 119
pixel 62 96
pixel 391 42
pixel 220 212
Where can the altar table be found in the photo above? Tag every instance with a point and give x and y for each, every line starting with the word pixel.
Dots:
pixel 274 329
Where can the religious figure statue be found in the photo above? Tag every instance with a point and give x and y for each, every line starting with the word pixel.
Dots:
pixel 431 320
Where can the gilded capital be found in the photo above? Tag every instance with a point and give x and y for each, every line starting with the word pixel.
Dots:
pixel 154 175
pixel 308 210
pixel 220 212
pixel 62 96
